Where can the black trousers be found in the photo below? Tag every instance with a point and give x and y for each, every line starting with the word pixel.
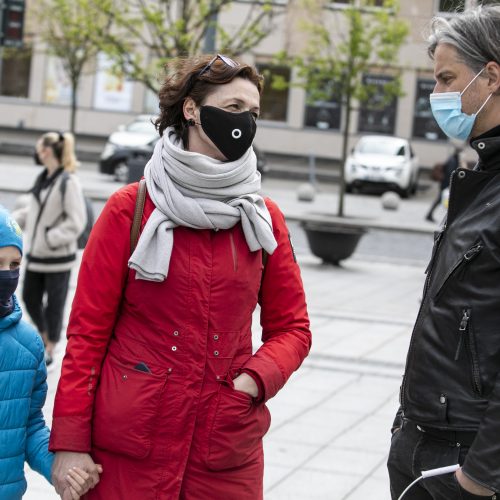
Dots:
pixel 413 451
pixel 44 295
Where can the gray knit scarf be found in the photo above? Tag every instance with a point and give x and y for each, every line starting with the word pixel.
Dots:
pixel 193 190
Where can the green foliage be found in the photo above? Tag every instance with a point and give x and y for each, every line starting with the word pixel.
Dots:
pixel 71 28
pixel 371 39
pixel 148 34
pixel 342 45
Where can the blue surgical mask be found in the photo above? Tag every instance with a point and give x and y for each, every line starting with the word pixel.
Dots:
pixel 447 110
pixel 8 285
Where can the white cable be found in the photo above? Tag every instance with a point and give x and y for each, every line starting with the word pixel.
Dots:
pixel 406 490
pixel 429 473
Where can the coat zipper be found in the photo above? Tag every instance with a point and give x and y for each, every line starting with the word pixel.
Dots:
pixel 466 258
pixel 429 270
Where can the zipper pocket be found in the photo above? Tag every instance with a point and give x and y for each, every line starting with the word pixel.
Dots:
pixel 474 360
pixel 464 261
pixel 466 338
pixel 462 332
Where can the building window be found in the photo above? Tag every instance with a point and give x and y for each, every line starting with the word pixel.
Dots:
pixel 375 116
pixel 16 68
pixel 324 114
pixel 274 100
pixel 424 124
pixel 451 5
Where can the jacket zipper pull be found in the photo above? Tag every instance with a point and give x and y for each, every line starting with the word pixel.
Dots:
pixel 461 332
pixel 471 254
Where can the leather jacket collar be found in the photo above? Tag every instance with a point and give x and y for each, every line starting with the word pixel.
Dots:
pixel 487 146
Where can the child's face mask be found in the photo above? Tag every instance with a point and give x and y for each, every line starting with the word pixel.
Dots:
pixel 8 285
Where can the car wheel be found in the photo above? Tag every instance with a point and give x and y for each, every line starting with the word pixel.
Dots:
pixel 406 192
pixel 348 188
pixel 414 183
pixel 121 172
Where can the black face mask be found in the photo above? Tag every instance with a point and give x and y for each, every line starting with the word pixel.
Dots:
pixel 8 285
pixel 232 133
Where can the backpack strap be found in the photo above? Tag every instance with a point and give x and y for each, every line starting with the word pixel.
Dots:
pixel 139 209
pixel 64 181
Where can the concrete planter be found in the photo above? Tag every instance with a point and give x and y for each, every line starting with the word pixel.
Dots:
pixel 332 242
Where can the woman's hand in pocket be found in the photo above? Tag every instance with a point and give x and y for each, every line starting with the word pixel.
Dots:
pixel 245 383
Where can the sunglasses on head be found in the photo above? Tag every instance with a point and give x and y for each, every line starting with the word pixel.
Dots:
pixel 226 60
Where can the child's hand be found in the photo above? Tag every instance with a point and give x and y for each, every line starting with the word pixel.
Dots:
pixel 79 482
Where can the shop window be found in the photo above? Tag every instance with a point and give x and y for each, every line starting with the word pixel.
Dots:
pixel 324 114
pixel 376 115
pixel 424 124
pixel 274 100
pixel 16 68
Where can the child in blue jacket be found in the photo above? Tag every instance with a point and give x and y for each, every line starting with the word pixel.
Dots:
pixel 23 387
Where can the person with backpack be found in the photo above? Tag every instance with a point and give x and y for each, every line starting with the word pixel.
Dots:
pixel 160 382
pixel 53 219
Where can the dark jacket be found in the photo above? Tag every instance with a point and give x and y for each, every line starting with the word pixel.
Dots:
pixel 449 167
pixel 452 370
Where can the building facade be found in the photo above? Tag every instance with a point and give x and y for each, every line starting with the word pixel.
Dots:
pixel 35 93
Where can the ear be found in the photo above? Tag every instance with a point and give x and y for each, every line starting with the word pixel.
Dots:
pixel 189 109
pixel 493 72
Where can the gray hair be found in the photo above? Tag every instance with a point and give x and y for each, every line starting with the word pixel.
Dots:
pixel 475 34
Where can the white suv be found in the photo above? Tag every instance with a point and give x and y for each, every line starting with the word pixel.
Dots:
pixel 382 161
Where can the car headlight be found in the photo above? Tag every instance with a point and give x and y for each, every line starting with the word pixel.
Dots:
pixel 394 170
pixel 108 151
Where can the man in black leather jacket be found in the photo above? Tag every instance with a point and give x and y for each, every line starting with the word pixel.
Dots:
pixel 450 395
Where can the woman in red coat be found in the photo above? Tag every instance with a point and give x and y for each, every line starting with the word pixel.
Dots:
pixel 159 383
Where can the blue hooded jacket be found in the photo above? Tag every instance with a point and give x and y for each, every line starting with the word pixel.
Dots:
pixel 23 388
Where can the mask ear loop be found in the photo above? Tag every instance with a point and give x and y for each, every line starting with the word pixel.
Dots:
pixel 484 103
pixel 471 82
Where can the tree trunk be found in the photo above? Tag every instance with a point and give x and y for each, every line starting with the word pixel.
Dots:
pixel 74 104
pixel 345 142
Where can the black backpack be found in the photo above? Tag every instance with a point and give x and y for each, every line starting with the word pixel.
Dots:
pixel 84 236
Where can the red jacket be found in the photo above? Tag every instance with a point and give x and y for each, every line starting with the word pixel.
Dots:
pixel 146 379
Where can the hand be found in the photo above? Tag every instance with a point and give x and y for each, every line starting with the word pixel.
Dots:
pixel 64 461
pixel 471 486
pixel 70 494
pixel 245 383
pixel 79 483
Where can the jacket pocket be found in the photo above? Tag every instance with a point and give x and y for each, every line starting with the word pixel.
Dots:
pixel 459 268
pixel 238 428
pixel 467 342
pixel 126 408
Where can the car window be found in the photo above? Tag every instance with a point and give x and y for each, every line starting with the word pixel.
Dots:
pixel 142 127
pixel 381 148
